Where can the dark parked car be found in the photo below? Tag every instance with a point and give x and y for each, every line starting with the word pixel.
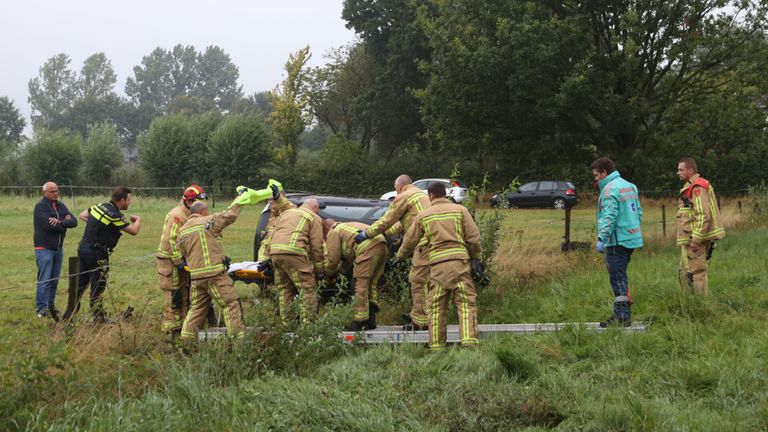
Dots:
pixel 341 209
pixel 547 193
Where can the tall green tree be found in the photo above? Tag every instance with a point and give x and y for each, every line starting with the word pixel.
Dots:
pixel 164 151
pixel 289 116
pixel 53 155
pixel 182 72
pixel 12 124
pixel 217 78
pixel 393 37
pixel 239 148
pixel 54 91
pixel 101 154
pixel 97 77
pixel 338 94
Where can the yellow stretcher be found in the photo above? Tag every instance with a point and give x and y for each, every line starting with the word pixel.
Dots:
pixel 247 272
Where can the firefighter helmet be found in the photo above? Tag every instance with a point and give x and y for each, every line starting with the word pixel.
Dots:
pixel 194 193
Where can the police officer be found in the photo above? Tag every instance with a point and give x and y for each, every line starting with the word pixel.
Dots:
pixel 368 257
pixel 452 243
pixel 296 251
pixel 619 215
pixel 104 224
pixel 199 241
pixel 409 202
pixel 698 226
pixel 172 278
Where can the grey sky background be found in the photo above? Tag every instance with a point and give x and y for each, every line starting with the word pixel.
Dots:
pixel 258 35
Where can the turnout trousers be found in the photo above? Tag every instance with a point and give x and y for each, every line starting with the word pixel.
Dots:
pixel 369 267
pixel 419 279
pixel 452 280
pixel 693 268
pixel 220 289
pixel 175 286
pixel 295 277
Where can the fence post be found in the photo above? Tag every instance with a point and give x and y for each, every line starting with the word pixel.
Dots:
pixel 74 269
pixel 567 236
pixel 739 206
pixel 664 220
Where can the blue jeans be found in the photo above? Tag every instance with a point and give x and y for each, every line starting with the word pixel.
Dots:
pixel 48 272
pixel 617 260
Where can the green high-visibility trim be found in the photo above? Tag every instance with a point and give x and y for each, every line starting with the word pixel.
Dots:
pixel 214 269
pixel 286 248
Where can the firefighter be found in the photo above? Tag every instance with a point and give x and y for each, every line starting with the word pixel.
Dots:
pixel 199 241
pixel 296 252
pixel 172 278
pixel 369 258
pixel 452 243
pixel 619 216
pixel 409 202
pixel 698 226
pixel 104 225
pixel 277 204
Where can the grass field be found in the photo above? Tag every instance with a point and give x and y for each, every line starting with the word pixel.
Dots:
pixel 699 367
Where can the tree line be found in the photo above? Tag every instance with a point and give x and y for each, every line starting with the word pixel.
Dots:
pixel 500 88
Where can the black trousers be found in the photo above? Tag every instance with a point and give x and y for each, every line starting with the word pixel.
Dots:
pixel 94 271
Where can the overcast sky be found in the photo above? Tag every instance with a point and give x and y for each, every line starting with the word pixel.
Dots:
pixel 257 34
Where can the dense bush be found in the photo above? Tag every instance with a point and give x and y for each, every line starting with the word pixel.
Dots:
pixel 53 155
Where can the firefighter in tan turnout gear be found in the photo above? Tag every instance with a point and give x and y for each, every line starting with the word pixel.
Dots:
pixel 172 278
pixel 296 252
pixel 199 241
pixel 698 226
pixel 369 258
pixel 409 202
pixel 454 250
pixel 277 205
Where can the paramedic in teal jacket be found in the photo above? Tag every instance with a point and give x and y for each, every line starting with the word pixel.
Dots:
pixel 618 233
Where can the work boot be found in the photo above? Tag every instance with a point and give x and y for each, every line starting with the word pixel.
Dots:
pixel 614 321
pixel 54 314
pixel 357 326
pixel 406 317
pixel 372 309
pixel 415 327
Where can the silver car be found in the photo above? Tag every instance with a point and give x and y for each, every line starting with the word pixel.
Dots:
pixel 455 190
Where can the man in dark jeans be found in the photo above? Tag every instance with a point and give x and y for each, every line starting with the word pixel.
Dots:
pixel 618 234
pixel 103 228
pixel 51 221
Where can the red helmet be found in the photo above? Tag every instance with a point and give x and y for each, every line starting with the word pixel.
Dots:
pixel 193 193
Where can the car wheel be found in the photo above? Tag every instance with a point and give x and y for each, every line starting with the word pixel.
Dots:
pixel 559 204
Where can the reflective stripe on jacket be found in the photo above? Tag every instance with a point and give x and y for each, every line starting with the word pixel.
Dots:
pixel 299 231
pixel 199 241
pixel 698 216
pixel 404 209
pixel 450 233
pixel 619 213
pixel 275 210
pixel 173 222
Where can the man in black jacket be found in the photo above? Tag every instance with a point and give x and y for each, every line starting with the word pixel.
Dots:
pixel 51 221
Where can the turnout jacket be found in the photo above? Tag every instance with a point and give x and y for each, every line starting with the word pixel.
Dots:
pixel 199 241
pixel 282 204
pixel 47 236
pixel 619 213
pixel 404 209
pixel 449 232
pixel 299 231
pixel 698 216
pixel 173 223
pixel 341 246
